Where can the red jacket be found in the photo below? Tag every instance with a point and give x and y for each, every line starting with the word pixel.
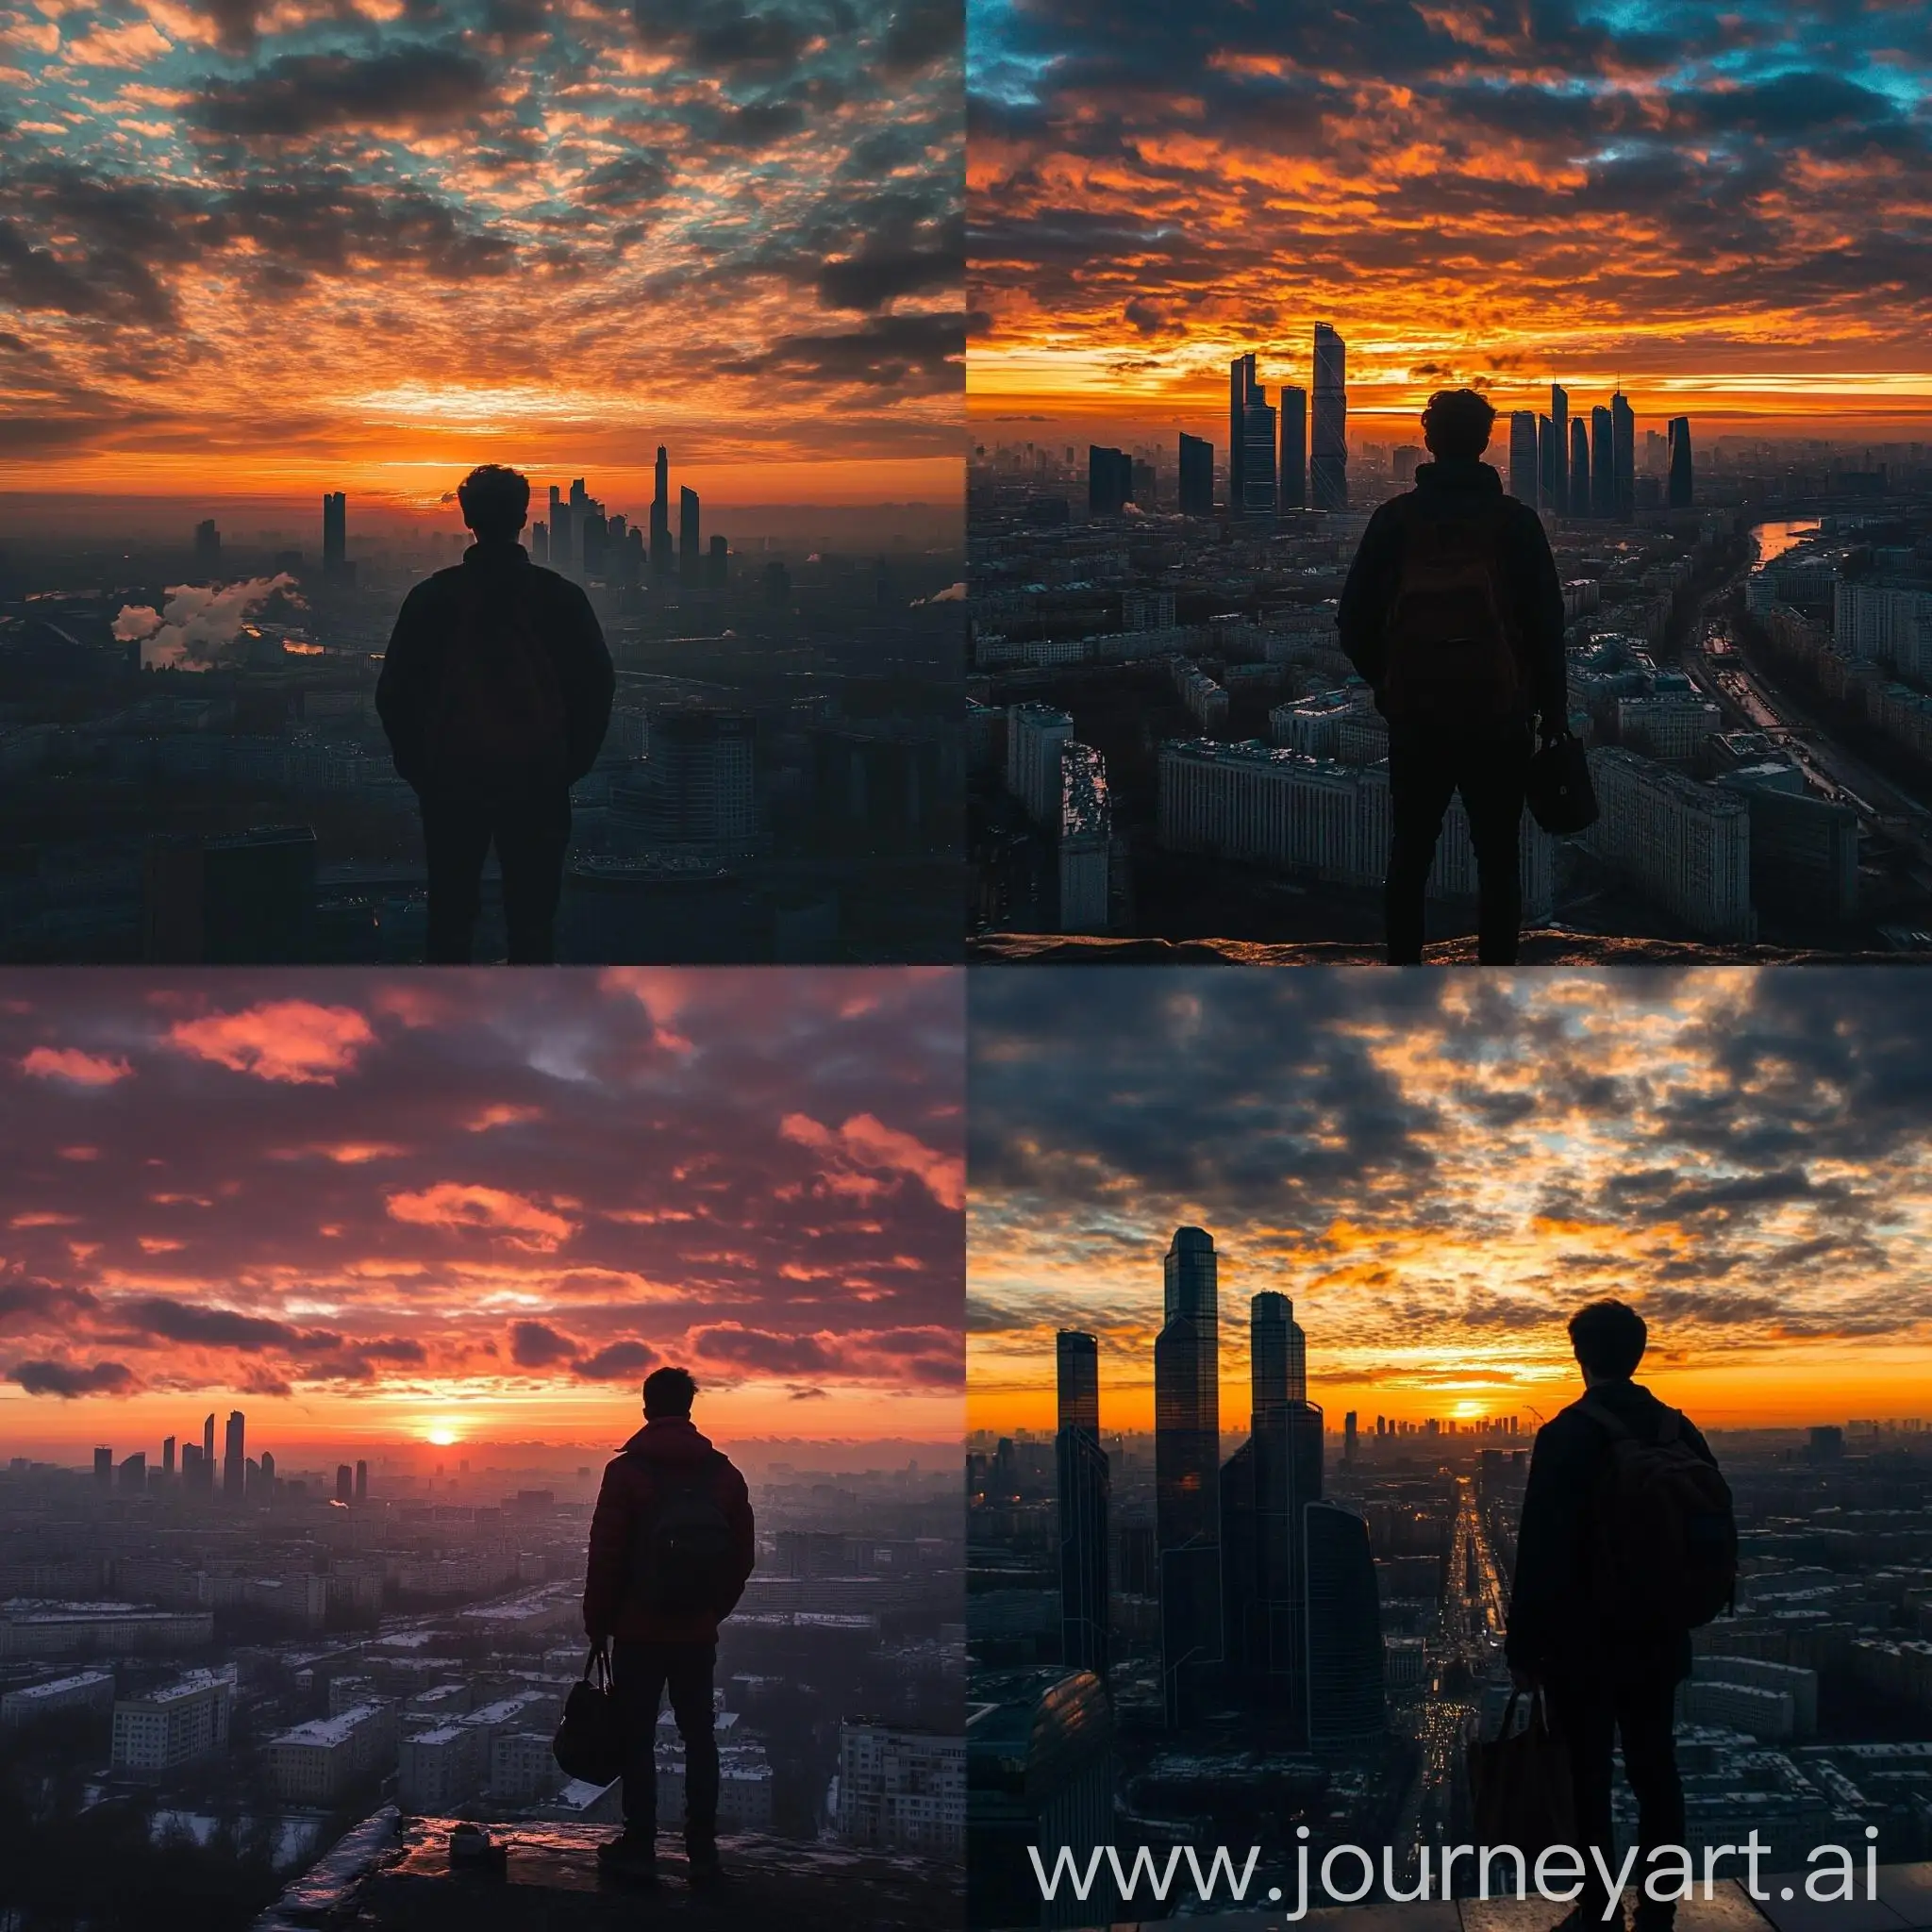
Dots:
pixel 624 1506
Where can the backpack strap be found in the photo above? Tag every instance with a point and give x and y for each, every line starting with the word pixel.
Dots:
pixel 1601 1414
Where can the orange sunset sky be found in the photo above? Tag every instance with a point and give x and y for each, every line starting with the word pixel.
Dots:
pixel 1437 1170
pixel 1726 204
pixel 291 245
pixel 368 1208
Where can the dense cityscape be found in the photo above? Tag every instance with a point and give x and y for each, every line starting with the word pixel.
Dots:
pixel 191 768
pixel 1164 739
pixel 1199 1638
pixel 218 1668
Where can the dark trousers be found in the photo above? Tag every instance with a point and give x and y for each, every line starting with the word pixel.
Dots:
pixel 642 1672
pixel 1489 769
pixel 529 826
pixel 1586 1713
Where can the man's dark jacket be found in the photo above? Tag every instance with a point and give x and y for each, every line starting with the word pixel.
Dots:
pixel 1553 1624
pixel 657 1459
pixel 431 623
pixel 1529 570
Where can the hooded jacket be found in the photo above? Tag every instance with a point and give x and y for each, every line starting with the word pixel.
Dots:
pixel 660 1454
pixel 430 625
pixel 1530 572
pixel 1553 1625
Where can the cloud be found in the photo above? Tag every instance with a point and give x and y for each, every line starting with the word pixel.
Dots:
pixel 865 1147
pixel 296 1042
pixel 70 1063
pixel 619 1361
pixel 762 1351
pixel 69 1382
pixel 408 89
pixel 455 1206
pixel 536 1345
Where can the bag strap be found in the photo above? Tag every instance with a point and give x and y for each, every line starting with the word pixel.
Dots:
pixel 1611 1425
pixel 599 1663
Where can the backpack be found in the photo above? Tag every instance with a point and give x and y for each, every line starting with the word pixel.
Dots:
pixel 681 1562
pixel 1451 655
pixel 1664 1540
pixel 499 700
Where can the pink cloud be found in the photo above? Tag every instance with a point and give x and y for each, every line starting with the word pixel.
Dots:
pixel 865 1142
pixel 293 1040
pixel 453 1204
pixel 70 1063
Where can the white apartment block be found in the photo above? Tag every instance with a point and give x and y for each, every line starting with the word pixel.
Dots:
pixel 1884 623
pixel 905 1788
pixel 1685 846
pixel 316 1763
pixel 174 1724
pixel 1035 733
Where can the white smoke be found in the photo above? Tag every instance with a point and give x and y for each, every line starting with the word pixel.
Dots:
pixel 200 624
pixel 953 594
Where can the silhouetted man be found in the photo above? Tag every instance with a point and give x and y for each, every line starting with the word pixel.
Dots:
pixel 1453 614
pixel 1604 1599
pixel 670 1547
pixel 495 694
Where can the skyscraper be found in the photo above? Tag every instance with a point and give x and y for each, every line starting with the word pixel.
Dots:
pixel 1345 1667
pixel 346 1483
pixel 361 1482
pixel 1681 491
pixel 1265 1487
pixel 1084 1499
pixel 690 556
pixel 1196 475
pixel 1577 499
pixel 1293 490
pixel 1240 380
pixel 207 1443
pixel 335 532
pixel 207 546
pixel 1559 422
pixel 1187 1490
pixel 167 1455
pixel 1549 466
pixel 1603 465
pixel 660 517
pixel 1109 480
pixel 104 1467
pixel 1623 458
pixel 1524 457
pixel 563 550
pixel 1259 494
pixel 235 1461
pixel 1328 463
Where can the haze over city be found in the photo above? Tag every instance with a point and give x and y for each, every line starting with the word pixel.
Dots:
pixel 370 1210
pixel 1437 1174
pixel 1717 206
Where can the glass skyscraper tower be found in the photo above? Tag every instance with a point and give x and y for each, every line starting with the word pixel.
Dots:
pixel 1187 1490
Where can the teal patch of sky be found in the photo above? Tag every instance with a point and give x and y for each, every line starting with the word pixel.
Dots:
pixel 997 68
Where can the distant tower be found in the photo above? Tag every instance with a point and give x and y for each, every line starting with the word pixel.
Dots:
pixel 346 1483
pixel 207 546
pixel 1549 466
pixel 234 1462
pixel 691 565
pixel 717 564
pixel 1350 1436
pixel 1344 1641
pixel 1523 456
pixel 1623 458
pixel 660 518
pixel 167 1455
pixel 1186 1459
pixel 104 1468
pixel 361 1482
pixel 1559 422
pixel 1603 465
pixel 1240 380
pixel 1295 447
pixel 335 532
pixel 1109 480
pixel 1578 496
pixel 1328 465
pixel 1084 1498
pixel 1196 475
pixel 1681 491
pixel 562 533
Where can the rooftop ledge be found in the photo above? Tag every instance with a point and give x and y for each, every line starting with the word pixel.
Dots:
pixel 1546 946
pixel 1904 1905
pixel 394 1872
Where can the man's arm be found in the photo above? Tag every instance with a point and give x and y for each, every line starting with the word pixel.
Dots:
pixel 606 1572
pixel 744 1539
pixel 1362 616
pixel 403 690
pixel 1539 614
pixel 1536 1590
pixel 590 686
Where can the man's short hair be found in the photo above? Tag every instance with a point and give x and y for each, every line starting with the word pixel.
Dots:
pixel 1609 1337
pixel 670 1392
pixel 1457 423
pixel 495 500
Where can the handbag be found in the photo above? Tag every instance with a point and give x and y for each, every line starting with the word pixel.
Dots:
pixel 1518 1784
pixel 1560 797
pixel 589 1740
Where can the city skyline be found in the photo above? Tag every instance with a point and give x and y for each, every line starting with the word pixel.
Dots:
pixel 461 1212
pixel 1711 211
pixel 1437 1177
pixel 253 247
